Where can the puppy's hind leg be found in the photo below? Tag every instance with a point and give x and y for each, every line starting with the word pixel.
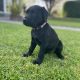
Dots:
pixel 58 50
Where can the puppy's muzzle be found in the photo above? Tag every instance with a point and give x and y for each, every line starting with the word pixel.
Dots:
pixel 26 21
pixel 24 18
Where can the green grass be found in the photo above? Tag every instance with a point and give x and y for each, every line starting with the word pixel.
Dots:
pixel 65 22
pixel 15 39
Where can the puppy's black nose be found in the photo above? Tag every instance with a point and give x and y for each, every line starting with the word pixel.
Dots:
pixel 24 18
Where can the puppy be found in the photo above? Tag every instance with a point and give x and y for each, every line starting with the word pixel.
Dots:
pixel 42 34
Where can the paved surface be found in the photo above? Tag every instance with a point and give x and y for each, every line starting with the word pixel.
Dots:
pixel 9 21
pixel 66 28
pixel 55 27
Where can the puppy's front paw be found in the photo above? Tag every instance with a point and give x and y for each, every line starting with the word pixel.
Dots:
pixel 26 54
pixel 61 57
pixel 36 62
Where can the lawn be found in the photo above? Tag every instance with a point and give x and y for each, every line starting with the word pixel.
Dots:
pixel 15 40
pixel 69 22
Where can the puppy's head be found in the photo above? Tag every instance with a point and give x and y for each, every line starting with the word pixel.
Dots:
pixel 35 16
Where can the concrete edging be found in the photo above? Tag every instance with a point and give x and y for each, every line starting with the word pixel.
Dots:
pixel 54 27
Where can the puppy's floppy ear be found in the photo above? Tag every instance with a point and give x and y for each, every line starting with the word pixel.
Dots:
pixel 44 13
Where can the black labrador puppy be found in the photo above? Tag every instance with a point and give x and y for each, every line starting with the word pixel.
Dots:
pixel 41 34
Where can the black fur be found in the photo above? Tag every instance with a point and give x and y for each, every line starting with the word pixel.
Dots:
pixel 45 37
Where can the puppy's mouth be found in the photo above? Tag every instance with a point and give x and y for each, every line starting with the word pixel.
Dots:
pixel 28 22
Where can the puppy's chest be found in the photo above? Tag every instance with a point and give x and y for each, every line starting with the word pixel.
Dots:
pixel 37 37
pixel 35 34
